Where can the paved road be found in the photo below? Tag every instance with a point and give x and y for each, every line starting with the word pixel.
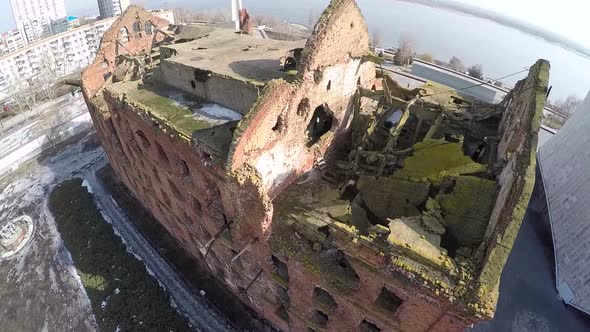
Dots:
pixel 195 307
pixel 528 298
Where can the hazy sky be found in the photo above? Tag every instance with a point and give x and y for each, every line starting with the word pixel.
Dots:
pixel 568 18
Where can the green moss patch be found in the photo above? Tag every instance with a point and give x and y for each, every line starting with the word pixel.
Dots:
pixel 122 294
pixel 435 159
pixel 467 209
pixel 177 115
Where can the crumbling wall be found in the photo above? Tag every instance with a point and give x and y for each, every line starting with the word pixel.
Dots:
pixel 274 139
pixel 208 212
pixel 231 93
pixel 130 34
pixel 223 214
pixel 340 34
pixel 518 150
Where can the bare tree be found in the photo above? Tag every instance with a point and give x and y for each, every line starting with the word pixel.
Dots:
pixel 475 71
pixel 48 74
pixel 20 91
pixel 376 39
pixel 186 15
pixel 181 15
pixel 426 57
pixel 405 51
pixel 457 64
pixel 567 106
pixel 266 20
pixel 53 124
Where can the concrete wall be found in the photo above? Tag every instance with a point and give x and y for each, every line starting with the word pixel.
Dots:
pixel 517 151
pixel 231 93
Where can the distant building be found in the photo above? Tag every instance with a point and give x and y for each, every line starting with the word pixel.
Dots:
pixel 468 86
pixel 63 24
pixel 33 17
pixel 64 53
pixel 12 41
pixel 564 163
pixel 110 8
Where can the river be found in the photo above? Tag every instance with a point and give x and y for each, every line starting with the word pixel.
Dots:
pixel 499 49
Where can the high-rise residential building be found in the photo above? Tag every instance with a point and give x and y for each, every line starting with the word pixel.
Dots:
pixel 58 55
pixel 12 41
pixel 110 8
pixel 33 17
pixel 64 24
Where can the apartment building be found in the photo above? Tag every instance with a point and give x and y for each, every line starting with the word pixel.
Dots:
pixel 59 55
pixel 110 8
pixel 64 24
pixel 33 17
pixel 11 41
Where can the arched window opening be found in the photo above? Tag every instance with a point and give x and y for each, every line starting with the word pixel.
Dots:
pixel 149 28
pixel 124 35
pixel 143 139
pixel 290 64
pixel 136 26
pixel 321 123
pixel 162 155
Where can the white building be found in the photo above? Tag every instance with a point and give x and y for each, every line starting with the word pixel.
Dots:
pixel 62 54
pixel 33 17
pixel 110 8
pixel 12 41
pixel 63 24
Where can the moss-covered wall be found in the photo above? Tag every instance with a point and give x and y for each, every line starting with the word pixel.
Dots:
pixel 518 148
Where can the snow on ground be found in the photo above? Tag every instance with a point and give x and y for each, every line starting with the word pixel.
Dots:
pixel 7 143
pixel 209 112
pixel 77 125
pixel 39 286
pixel 220 112
pixel 87 185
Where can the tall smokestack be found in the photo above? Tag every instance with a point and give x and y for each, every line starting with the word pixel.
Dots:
pixel 236 7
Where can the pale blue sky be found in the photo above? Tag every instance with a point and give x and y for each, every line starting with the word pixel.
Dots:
pixel 569 18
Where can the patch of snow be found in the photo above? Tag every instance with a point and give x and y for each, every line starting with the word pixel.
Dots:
pixel 117 291
pixel 87 185
pixel 220 112
pixel 118 329
pixel 209 112
pixel 103 305
pixel 173 304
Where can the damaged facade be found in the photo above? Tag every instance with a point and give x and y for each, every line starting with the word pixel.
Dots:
pixel 325 196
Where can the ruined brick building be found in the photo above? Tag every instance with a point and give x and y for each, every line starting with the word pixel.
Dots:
pixel 322 193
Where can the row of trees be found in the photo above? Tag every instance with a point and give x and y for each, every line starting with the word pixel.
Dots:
pixel 407 51
pixel 565 107
pixel 28 92
pixel 185 15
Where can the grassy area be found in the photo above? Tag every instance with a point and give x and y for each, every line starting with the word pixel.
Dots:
pixel 192 269
pixel 552 123
pixel 122 294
